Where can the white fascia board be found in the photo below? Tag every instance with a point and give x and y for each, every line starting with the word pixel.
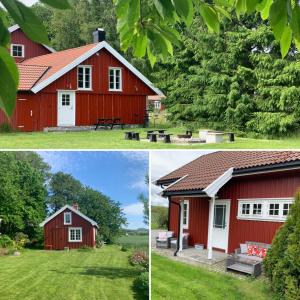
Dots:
pixel 88 54
pixel 161 193
pixel 212 189
pixel 15 27
pixel 74 211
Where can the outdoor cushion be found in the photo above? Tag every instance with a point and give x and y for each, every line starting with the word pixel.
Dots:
pixel 162 236
pixel 249 250
pixel 262 252
pixel 169 234
pixel 244 248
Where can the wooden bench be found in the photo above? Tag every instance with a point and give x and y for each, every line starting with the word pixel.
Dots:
pixel 167 138
pixel 153 137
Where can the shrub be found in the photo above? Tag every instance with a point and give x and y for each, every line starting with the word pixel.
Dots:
pixel 21 239
pixel 99 241
pixel 5 128
pixel 124 248
pixel 6 241
pixel 139 259
pixel 159 217
pixel 282 263
pixel 141 285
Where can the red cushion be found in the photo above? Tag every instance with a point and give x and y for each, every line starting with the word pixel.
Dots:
pixel 264 252
pixel 249 249
pixel 255 250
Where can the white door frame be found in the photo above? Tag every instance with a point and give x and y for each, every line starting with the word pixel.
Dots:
pixel 61 114
pixel 220 201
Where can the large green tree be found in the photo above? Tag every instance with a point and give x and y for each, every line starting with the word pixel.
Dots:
pixel 22 196
pixel 65 189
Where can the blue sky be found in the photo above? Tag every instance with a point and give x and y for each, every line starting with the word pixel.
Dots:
pixel 117 174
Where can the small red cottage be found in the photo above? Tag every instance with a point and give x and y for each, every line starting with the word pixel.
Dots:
pixel 226 198
pixel 69 228
pixel 75 87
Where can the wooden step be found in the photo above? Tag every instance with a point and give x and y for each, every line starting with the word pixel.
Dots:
pixel 240 267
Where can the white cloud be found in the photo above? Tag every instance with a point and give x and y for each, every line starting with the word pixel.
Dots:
pixel 135 209
pixel 140 156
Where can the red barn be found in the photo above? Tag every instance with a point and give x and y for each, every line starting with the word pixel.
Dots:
pixel 78 86
pixel 226 198
pixel 69 228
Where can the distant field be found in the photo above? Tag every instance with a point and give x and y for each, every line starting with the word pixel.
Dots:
pixel 114 139
pixel 134 241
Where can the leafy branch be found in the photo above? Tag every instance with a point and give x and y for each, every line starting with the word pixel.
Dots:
pixel 34 29
pixel 154 33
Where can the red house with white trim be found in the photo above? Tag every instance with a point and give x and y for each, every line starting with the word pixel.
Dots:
pixel 69 228
pixel 224 199
pixel 77 86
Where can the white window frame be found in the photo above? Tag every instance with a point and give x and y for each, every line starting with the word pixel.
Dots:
pixel 17 45
pixel 265 202
pixel 114 89
pixel 186 226
pixel 84 88
pixel 75 228
pixel 157 104
pixel 69 214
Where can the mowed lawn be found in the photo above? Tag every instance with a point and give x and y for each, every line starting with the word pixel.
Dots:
pixel 78 275
pixel 114 139
pixel 176 280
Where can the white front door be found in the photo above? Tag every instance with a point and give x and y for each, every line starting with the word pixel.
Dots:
pixel 221 224
pixel 66 108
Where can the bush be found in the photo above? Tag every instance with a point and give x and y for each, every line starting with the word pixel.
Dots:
pixel 6 241
pixel 21 239
pixel 124 248
pixel 282 263
pixel 159 217
pixel 99 241
pixel 5 128
pixel 141 285
pixel 140 259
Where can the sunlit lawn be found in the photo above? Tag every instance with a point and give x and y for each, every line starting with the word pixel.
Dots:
pixel 176 280
pixel 75 275
pixel 114 139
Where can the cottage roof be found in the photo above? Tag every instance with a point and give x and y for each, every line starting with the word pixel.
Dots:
pixel 205 170
pixel 71 209
pixel 59 63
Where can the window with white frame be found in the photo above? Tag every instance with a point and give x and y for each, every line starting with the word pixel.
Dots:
pixel 157 104
pixel 264 209
pixel 17 50
pixel 115 79
pixel 75 234
pixel 67 218
pixel 84 74
pixel 185 219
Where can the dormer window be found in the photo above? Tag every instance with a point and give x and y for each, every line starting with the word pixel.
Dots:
pixel 115 79
pixel 67 218
pixel 17 50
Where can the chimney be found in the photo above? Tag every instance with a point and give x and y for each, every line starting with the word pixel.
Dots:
pixel 75 206
pixel 99 35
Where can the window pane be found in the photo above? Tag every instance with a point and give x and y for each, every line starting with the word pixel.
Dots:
pixel 286 209
pixel 219 216
pixel 246 209
pixel 257 209
pixel 274 209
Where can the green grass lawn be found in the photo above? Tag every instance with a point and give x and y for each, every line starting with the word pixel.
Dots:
pixel 175 280
pixel 78 275
pixel 134 241
pixel 114 139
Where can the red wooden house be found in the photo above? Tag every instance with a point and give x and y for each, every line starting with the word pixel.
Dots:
pixel 69 228
pixel 226 198
pixel 77 86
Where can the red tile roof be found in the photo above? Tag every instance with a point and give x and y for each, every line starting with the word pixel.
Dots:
pixel 54 61
pixel 207 168
pixel 29 75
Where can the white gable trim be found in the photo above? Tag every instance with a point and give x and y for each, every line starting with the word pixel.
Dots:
pixel 85 56
pixel 16 27
pixel 71 209
pixel 175 182
pixel 212 189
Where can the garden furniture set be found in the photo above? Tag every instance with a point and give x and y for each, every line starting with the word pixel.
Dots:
pixel 109 123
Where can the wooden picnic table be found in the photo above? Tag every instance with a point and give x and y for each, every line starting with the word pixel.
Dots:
pixel 109 122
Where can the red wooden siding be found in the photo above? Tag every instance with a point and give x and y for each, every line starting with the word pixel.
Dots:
pixel 32 49
pixel 198 219
pixel 276 185
pixel 129 105
pixel 56 233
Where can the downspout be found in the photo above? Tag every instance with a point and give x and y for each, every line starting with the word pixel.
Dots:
pixel 179 227
pixel 169 209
